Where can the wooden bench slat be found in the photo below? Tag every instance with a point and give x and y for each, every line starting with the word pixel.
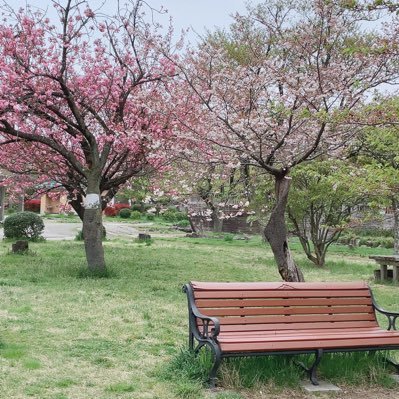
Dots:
pixel 296 332
pixel 305 336
pixel 311 344
pixel 221 312
pixel 233 303
pixel 281 294
pixel 295 319
pixel 298 326
pixel 285 286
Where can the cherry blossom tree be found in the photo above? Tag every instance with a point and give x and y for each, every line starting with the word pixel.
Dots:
pixel 82 103
pixel 203 178
pixel 278 88
pixel 211 192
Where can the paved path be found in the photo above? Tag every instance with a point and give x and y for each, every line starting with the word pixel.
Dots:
pixel 55 230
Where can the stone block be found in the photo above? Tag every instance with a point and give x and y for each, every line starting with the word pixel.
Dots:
pixel 322 387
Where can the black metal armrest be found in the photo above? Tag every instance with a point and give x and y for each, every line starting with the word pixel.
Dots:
pixel 392 316
pixel 206 321
pixel 194 314
pixel 386 312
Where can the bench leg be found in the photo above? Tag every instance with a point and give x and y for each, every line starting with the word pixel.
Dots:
pixel 216 363
pixel 313 368
pixel 198 348
pixel 190 340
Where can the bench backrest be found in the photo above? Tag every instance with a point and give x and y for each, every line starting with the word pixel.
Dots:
pixel 285 306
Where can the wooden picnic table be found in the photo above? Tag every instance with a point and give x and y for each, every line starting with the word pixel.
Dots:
pixel 384 261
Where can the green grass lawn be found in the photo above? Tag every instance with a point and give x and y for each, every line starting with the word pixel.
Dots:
pixel 66 336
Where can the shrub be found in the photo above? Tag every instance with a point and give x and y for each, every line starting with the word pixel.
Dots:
pixel 125 213
pixel 374 232
pixel 146 207
pixel 137 207
pixel 163 201
pixel 79 235
pixel 228 237
pixel 173 215
pixel 110 211
pixel 344 240
pixel 150 217
pixel 32 205
pixel 388 242
pixel 114 209
pixel 183 223
pixel 118 207
pixel 23 225
pixel 136 215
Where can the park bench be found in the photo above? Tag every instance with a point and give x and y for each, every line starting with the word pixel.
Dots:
pixel 253 319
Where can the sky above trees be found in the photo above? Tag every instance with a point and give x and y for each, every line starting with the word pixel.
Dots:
pixel 194 14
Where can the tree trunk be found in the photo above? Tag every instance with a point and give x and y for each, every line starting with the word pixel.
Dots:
pixel 217 221
pixel 192 225
pixel 317 234
pixel 76 203
pixel 2 202
pixel 395 206
pixel 276 233
pixel 300 231
pixel 93 228
pixel 21 203
pixel 320 254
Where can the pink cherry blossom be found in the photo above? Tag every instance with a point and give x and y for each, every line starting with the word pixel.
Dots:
pixel 83 111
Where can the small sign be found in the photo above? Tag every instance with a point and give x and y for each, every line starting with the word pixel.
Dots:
pixel 92 201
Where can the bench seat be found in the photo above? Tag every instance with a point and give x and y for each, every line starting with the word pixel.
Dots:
pixel 306 339
pixel 245 319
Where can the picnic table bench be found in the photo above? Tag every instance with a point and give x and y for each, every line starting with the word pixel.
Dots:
pixel 384 261
pixel 253 319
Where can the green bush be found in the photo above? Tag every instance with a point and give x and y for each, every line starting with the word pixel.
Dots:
pixel 343 240
pixel 173 215
pixel 24 225
pixel 125 213
pixel 387 242
pixel 374 242
pixel 145 207
pixel 79 235
pixel 137 207
pixel 183 223
pixel 371 237
pixel 136 215
pixel 228 237
pixel 373 232
pixel 163 201
pixel 150 216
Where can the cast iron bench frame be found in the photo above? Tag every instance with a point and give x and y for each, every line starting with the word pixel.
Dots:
pixel 206 329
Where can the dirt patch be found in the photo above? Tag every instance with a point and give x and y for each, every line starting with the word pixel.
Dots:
pixel 348 392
